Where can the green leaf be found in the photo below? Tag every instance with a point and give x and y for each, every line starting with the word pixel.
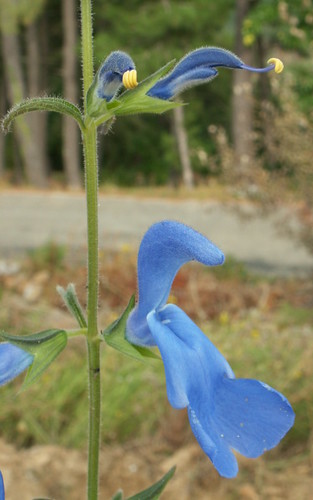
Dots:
pixel 43 104
pixel 145 104
pixel 154 492
pixel 146 84
pixel 72 303
pixel 45 346
pixel 30 342
pixel 42 498
pixel 95 106
pixel 114 336
pixel 118 495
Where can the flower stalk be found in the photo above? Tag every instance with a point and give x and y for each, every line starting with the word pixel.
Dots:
pixel 91 183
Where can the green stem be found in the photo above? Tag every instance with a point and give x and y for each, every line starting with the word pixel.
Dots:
pixel 94 419
pixel 93 343
pixel 76 333
pixel 87 50
pixel 91 180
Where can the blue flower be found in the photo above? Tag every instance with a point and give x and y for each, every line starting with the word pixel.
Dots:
pixel 118 68
pixel 199 66
pixel 13 361
pixel 225 413
pixel 165 247
pixel 2 496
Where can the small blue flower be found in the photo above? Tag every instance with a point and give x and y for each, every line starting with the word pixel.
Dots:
pixel 225 413
pixel 199 66
pixel 13 361
pixel 2 496
pixel 118 68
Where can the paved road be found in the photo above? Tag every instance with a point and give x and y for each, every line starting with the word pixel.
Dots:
pixel 31 219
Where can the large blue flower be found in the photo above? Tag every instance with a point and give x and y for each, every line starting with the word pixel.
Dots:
pixel 199 66
pixel 13 361
pixel 225 413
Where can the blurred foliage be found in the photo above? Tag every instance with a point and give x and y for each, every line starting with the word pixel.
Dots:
pixel 141 150
pixel 288 23
pixel 47 257
pixel 23 11
pixel 275 350
pixel 126 408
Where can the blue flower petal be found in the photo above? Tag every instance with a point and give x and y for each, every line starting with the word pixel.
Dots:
pixel 174 356
pixel 191 361
pixel 111 74
pixel 2 496
pixel 225 413
pixel 198 67
pixel 245 415
pixel 13 361
pixel 165 247
pixel 213 444
pixel 170 86
pixel 260 416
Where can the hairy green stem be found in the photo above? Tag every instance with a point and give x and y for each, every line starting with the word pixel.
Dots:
pixel 76 333
pixel 87 49
pixel 91 180
pixel 93 342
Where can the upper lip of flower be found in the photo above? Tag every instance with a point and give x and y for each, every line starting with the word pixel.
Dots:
pixel 173 245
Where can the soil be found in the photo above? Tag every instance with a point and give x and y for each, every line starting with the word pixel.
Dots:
pixel 60 474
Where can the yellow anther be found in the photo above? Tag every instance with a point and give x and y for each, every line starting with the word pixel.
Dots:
pixel 133 76
pixel 130 79
pixel 279 65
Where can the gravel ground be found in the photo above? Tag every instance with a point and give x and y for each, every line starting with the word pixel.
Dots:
pixel 263 242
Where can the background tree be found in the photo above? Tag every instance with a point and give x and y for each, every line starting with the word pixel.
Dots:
pixel 2 112
pixel 154 32
pixel 242 99
pixel 285 116
pixel 70 147
pixel 11 15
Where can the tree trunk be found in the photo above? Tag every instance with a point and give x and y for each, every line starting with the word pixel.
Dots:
pixel 35 172
pixel 34 70
pixel 182 145
pixel 266 112
pixel 71 156
pixel 242 101
pixel 2 112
